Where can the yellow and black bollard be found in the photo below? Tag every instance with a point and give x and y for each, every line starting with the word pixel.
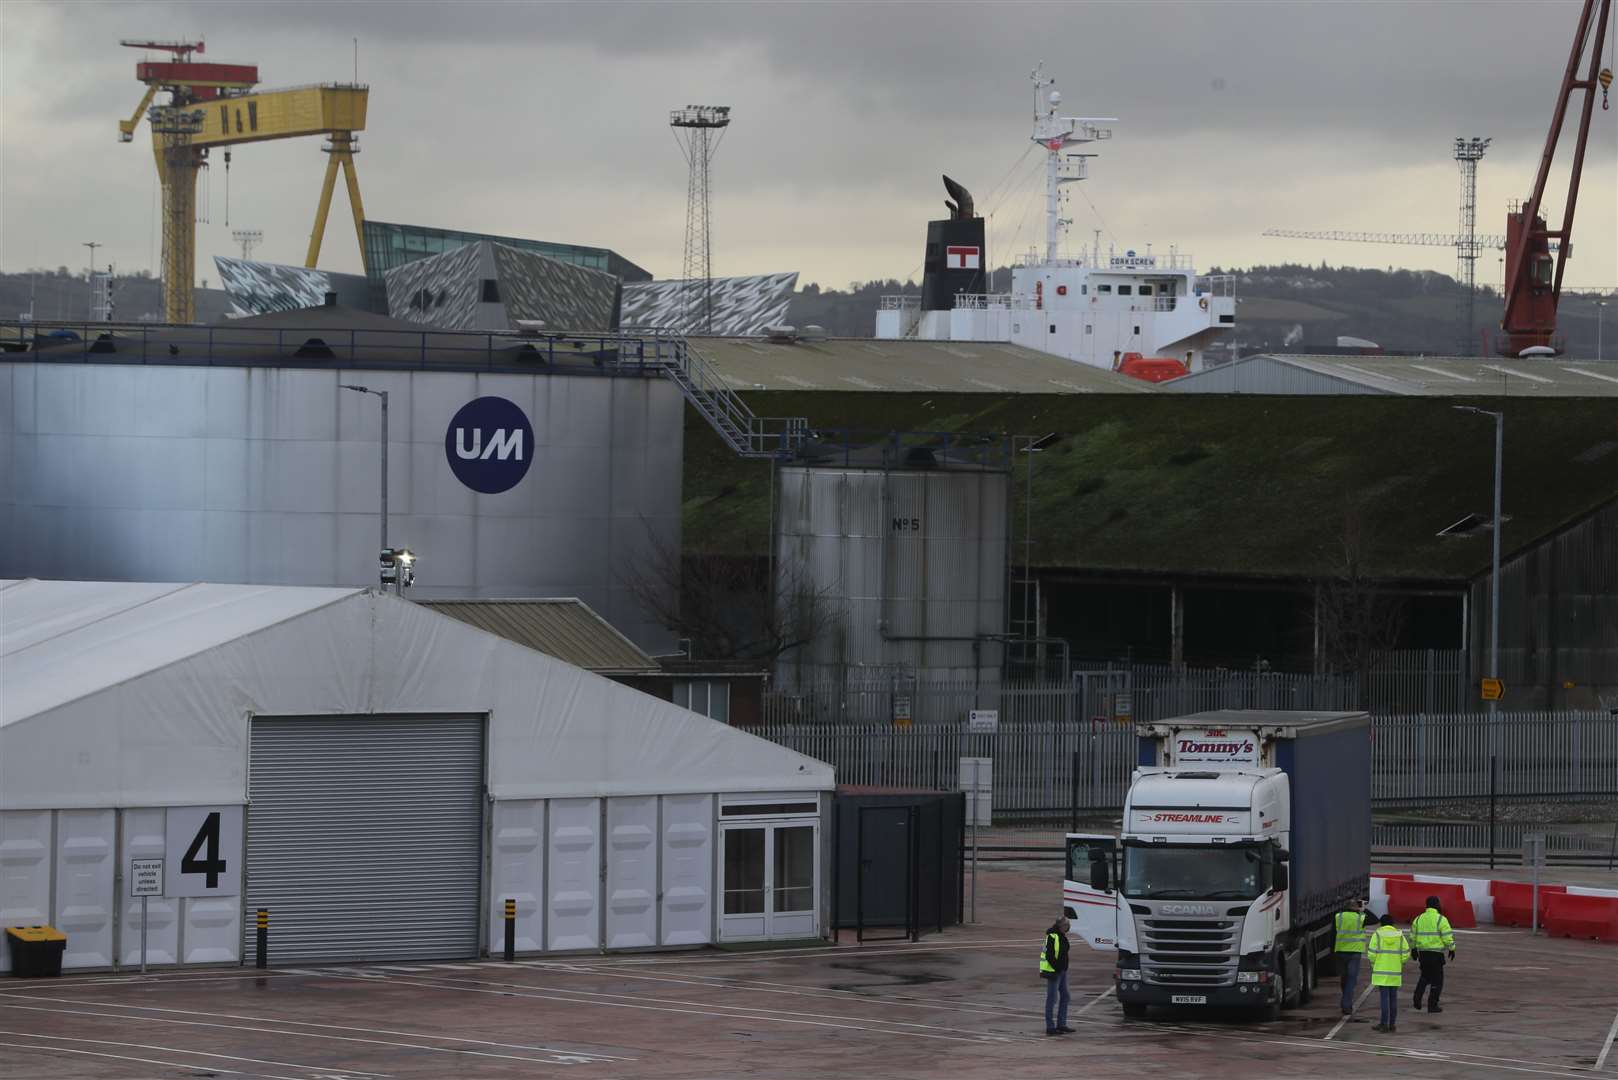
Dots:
pixel 263 938
pixel 511 930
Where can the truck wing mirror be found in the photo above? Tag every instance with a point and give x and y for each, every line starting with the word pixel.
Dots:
pixel 1280 877
pixel 1098 876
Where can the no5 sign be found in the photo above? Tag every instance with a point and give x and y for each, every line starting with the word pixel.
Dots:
pixel 203 852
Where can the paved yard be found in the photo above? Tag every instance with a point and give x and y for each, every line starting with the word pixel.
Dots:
pixel 960 1005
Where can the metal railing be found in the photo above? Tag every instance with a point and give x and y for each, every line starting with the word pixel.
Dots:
pixel 982 301
pixel 649 353
pixel 897 303
pixel 1050 769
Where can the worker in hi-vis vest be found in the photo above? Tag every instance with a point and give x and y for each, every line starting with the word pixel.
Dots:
pixel 1389 951
pixel 1350 949
pixel 1431 937
pixel 1053 969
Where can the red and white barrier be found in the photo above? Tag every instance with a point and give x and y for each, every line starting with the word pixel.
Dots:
pixel 1564 910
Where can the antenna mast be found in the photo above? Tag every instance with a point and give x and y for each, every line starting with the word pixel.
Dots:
pixel 1056 133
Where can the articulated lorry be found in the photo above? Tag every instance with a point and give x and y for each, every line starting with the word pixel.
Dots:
pixel 1244 832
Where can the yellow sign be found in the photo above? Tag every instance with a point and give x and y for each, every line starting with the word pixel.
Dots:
pixel 1493 689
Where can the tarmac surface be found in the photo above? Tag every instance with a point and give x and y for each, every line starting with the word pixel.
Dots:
pixel 962 1004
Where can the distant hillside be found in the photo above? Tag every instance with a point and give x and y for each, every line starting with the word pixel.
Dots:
pixel 59 294
pixel 1286 306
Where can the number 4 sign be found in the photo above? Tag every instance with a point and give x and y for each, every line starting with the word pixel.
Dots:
pixel 203 851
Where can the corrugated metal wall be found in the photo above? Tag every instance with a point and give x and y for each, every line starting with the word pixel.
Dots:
pixel 1558 619
pixel 269 476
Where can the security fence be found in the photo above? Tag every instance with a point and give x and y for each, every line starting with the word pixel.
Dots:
pixel 1046 768
pixel 1425 681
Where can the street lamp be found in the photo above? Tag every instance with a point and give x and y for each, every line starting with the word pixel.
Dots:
pixel 1494 572
pixel 383 394
pixel 1601 316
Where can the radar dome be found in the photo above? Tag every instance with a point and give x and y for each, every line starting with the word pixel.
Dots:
pixel 1056 97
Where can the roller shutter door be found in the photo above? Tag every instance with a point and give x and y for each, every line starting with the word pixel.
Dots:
pixel 364 837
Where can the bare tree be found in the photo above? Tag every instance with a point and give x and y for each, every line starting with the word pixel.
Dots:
pixel 728 606
pixel 1358 622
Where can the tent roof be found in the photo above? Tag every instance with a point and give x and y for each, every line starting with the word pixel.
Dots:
pixel 64 640
pixel 130 694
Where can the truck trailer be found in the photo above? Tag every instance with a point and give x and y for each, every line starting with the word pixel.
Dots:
pixel 1243 833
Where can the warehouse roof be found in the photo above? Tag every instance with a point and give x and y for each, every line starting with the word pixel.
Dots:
pixel 927 366
pixel 136 694
pixel 1225 484
pixel 1410 376
pixel 565 628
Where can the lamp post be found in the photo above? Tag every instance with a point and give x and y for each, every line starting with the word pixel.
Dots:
pixel 1601 317
pixel 383 394
pixel 1494 572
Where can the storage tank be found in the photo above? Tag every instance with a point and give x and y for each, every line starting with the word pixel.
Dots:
pixel 904 551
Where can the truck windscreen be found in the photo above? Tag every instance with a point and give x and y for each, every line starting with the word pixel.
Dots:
pixel 1201 871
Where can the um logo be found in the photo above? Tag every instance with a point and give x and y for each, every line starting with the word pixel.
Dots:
pixel 489 445
pixel 504 443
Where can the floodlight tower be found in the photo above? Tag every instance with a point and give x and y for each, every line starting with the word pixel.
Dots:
pixel 248 239
pixel 694 128
pixel 1468 152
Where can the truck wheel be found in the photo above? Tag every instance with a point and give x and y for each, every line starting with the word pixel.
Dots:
pixel 1133 1010
pixel 1272 1009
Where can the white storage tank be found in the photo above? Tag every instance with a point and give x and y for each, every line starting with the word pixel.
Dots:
pixel 904 550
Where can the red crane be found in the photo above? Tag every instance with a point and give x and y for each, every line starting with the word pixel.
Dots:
pixel 1533 277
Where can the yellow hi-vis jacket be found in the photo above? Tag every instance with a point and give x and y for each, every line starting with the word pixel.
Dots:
pixel 1389 949
pixel 1430 932
pixel 1350 932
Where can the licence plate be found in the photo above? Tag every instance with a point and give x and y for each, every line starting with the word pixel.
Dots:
pixel 1189 999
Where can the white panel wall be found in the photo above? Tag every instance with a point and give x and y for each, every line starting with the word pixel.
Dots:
pixel 631 872
pixel 212 929
pixel 143 839
pixel 25 872
pixel 518 872
pixel 573 907
pixel 86 841
pixel 688 869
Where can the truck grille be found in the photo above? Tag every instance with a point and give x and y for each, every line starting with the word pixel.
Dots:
pixel 1189 952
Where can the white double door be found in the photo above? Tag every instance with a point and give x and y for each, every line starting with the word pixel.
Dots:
pixel 771 874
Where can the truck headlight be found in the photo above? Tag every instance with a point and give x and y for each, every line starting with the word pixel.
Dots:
pixel 1247 976
pixel 1132 974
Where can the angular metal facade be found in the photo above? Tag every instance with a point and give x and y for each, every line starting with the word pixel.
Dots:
pixel 912 563
pixel 270 476
pixel 487 286
pixel 742 306
pixel 258 288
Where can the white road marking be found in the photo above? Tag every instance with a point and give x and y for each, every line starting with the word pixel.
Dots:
pixel 126 1057
pixel 411 970
pixel 142 1009
pixel 1097 1000
pixel 1339 1025
pixel 195 1053
pixel 1606 1047
pixel 728 1012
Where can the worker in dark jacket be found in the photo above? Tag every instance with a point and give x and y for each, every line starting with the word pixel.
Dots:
pixel 1053 969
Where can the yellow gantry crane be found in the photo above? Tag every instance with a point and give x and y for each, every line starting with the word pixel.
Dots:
pixel 214 105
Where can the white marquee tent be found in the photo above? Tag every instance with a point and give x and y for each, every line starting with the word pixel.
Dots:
pixel 381 751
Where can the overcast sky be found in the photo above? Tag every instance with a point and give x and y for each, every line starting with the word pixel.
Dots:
pixel 550 121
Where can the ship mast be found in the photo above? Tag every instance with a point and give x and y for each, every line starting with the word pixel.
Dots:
pixel 1056 133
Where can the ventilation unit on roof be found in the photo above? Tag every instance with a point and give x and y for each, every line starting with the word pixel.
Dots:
pixel 784 335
